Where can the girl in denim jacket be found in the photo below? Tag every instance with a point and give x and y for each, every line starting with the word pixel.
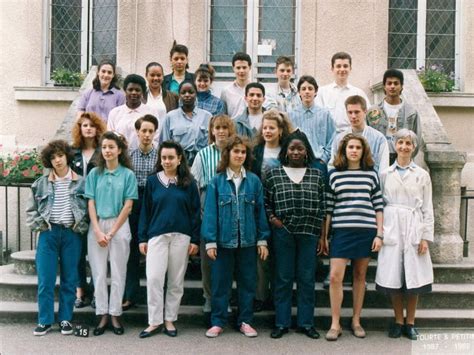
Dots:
pixel 57 209
pixel 235 230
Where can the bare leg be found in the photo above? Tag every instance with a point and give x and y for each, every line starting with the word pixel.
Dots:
pixel 336 294
pixel 397 304
pixel 358 288
pixel 412 301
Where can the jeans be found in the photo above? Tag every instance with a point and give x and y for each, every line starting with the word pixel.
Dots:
pixel 132 285
pixel 295 258
pixel 63 244
pixel 245 261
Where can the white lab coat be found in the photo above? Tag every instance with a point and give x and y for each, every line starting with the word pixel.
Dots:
pixel 408 218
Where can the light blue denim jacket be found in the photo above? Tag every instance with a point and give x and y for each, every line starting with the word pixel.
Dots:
pixel 39 206
pixel 225 213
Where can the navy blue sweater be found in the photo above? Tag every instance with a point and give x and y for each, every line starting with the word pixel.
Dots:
pixel 169 209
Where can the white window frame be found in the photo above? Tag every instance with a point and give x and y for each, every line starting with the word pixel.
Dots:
pixel 252 33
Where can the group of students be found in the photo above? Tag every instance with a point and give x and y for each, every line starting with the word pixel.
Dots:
pixel 167 176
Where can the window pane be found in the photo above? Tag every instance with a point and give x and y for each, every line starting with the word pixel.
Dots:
pixel 277 22
pixel 66 34
pixel 104 31
pixel 227 32
pixel 402 29
pixel 440 33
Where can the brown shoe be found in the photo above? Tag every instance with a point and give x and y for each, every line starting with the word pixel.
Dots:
pixel 333 334
pixel 358 331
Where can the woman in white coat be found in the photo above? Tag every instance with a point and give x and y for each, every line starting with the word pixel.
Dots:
pixel 404 264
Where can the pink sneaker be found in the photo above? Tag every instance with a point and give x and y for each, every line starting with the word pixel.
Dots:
pixel 214 332
pixel 247 330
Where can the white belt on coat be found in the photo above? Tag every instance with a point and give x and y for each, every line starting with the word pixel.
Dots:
pixel 413 210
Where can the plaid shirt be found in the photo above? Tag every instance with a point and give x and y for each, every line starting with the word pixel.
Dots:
pixel 301 207
pixel 143 164
pixel 210 103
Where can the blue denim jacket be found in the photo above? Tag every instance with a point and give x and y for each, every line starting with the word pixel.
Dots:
pixel 225 213
pixel 39 206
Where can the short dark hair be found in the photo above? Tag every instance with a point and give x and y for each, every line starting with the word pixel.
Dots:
pixel 184 174
pixel 225 154
pixel 307 79
pixel 147 118
pixel 341 55
pixel 135 79
pixel 113 82
pixel 340 161
pixel 300 135
pixel 179 48
pixel 241 56
pixel 58 146
pixel 393 73
pixel 193 84
pixel 254 85
pixel 153 64
pixel 356 100
pixel 284 60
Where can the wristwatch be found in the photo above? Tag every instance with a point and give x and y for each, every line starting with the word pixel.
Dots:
pixel 379 236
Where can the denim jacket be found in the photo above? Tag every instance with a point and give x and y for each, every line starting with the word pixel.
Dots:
pixel 228 217
pixel 40 204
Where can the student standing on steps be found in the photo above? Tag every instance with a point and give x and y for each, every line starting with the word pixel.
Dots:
pixel 111 188
pixel 355 215
pixel 58 210
pixel 179 65
pixel 235 229
pixel 169 233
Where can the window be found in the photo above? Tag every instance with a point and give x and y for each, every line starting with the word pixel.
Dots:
pixel 80 33
pixel 423 33
pixel 265 29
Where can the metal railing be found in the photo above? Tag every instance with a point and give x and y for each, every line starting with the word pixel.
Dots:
pixel 466 196
pixel 13 225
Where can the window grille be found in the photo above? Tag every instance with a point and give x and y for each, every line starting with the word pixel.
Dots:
pixel 423 33
pixel 81 34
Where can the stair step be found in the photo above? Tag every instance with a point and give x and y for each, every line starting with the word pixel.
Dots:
pixel 374 318
pixel 14 287
pixel 24 262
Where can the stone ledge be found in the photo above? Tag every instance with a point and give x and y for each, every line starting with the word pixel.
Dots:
pixel 45 93
pixel 452 99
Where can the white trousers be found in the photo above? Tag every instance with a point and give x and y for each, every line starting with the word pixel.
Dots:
pixel 167 254
pixel 116 252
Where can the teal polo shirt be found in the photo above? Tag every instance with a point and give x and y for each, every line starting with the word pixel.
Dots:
pixel 110 190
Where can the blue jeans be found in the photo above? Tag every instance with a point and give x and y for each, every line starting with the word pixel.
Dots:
pixel 244 260
pixel 295 258
pixel 132 285
pixel 63 244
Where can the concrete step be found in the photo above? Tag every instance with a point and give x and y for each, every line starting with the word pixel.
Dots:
pixel 24 262
pixel 14 287
pixel 373 319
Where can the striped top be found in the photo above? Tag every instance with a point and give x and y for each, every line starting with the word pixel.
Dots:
pixel 353 197
pixel 61 212
pixel 205 165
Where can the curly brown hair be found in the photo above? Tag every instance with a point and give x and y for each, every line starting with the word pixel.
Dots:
pixel 225 155
pixel 283 122
pixel 56 147
pixel 78 139
pixel 366 161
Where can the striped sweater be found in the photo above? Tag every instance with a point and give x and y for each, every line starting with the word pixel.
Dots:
pixel 353 197
pixel 205 165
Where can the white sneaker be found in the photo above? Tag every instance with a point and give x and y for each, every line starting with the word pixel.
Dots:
pixel 247 330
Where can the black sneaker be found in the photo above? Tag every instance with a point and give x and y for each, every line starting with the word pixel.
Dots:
pixel 93 303
pixel 42 329
pixel 66 327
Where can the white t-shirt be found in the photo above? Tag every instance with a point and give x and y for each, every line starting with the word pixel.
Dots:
pixel 295 174
pixel 157 104
pixel 256 121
